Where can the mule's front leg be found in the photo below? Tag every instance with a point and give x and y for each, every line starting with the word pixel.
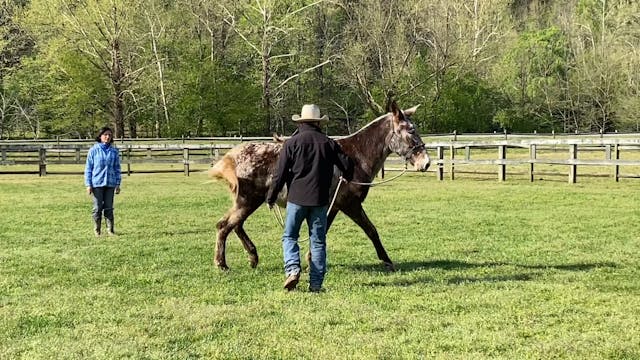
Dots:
pixel 357 214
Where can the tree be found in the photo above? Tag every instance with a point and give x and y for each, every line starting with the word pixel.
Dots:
pixel 99 31
pixel 605 34
pixel 267 28
pixel 15 42
pixel 534 75
pixel 381 39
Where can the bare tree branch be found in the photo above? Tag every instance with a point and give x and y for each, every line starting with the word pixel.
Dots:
pixel 302 72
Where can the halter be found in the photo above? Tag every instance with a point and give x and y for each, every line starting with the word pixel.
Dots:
pixel 412 150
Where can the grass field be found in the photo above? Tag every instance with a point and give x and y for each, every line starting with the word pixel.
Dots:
pixel 510 270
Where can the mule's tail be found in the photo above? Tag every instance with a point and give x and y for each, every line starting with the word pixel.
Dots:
pixel 225 169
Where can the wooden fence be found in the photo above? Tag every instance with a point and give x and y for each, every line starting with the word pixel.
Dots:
pixel 538 155
pixel 452 158
pixel 131 155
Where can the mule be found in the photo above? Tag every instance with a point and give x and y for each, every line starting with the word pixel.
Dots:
pixel 248 169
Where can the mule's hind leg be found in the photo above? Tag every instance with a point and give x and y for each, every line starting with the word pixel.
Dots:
pixel 247 244
pixel 224 228
pixel 357 214
pixel 248 204
pixel 234 220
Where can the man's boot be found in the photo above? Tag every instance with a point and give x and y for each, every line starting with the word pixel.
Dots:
pixel 110 229
pixel 97 226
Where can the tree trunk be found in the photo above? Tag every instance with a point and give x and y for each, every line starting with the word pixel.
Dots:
pixel 163 97
pixel 117 80
pixel 266 94
pixel 118 97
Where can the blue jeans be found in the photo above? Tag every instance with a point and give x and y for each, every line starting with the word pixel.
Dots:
pixel 103 202
pixel 316 217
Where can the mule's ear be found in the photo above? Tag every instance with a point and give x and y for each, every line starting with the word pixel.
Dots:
pixel 277 138
pixel 411 111
pixel 398 116
pixel 393 108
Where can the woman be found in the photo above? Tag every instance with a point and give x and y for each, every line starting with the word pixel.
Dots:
pixel 102 178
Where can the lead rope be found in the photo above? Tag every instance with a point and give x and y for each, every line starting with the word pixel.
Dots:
pixel 380 182
pixel 278 214
pixel 335 195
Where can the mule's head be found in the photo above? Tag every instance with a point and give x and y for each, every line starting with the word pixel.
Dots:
pixel 404 139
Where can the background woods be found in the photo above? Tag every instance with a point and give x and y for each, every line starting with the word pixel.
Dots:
pixel 200 67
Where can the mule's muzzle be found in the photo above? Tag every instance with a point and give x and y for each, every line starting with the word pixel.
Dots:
pixel 424 163
pixel 420 158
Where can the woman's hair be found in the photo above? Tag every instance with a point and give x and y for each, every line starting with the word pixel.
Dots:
pixel 102 131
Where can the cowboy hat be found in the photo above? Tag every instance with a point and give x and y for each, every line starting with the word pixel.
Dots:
pixel 310 112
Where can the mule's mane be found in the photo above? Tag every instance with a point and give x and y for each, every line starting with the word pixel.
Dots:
pixel 362 129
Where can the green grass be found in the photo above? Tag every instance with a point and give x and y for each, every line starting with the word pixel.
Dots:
pixel 508 270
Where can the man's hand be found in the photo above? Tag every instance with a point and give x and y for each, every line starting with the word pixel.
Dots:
pixel 89 190
pixel 117 189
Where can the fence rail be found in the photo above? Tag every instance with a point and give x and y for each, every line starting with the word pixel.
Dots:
pixel 448 157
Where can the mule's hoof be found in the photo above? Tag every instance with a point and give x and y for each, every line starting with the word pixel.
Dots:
pixel 253 261
pixel 389 266
pixel 222 266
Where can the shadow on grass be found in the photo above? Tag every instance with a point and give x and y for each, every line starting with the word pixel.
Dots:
pixel 420 265
pixel 488 279
pixel 458 265
pixel 462 265
pixel 571 267
pixel 187 232
pixel 400 282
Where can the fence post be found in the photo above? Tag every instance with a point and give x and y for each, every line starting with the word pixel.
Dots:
pixel 128 160
pixel 43 161
pixel 440 171
pixel 452 150
pixel 573 155
pixel 502 169
pixel 186 161
pixel 607 154
pixel 616 168
pixel 532 158
pixel 78 155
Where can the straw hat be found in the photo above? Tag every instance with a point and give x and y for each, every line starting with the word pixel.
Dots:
pixel 310 112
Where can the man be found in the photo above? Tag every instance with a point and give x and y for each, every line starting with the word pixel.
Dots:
pixel 306 166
